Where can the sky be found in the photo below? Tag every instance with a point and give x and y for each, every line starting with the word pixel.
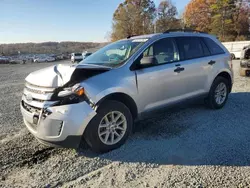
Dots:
pixel 59 20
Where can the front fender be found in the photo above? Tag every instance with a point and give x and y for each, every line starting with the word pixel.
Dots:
pixel 110 91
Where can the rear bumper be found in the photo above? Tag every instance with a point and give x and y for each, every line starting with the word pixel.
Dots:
pixel 64 127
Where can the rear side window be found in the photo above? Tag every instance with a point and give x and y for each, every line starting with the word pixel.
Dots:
pixel 191 47
pixel 213 47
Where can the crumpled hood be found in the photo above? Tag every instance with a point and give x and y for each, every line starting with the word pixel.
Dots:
pixel 58 75
pixel 53 76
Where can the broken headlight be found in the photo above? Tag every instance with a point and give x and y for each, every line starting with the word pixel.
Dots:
pixel 72 95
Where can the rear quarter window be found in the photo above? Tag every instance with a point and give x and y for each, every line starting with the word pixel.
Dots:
pixel 214 48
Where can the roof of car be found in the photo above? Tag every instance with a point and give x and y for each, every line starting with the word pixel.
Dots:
pixel 171 33
pixel 144 36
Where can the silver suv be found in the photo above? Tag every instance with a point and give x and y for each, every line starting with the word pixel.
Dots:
pixel 98 100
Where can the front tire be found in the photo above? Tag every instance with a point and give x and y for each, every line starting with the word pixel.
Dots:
pixel 110 128
pixel 218 93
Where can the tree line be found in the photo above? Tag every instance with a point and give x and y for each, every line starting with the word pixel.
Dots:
pixel 47 48
pixel 227 19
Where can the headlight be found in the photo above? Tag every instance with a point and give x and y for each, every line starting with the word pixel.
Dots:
pixel 72 95
pixel 78 90
pixel 75 90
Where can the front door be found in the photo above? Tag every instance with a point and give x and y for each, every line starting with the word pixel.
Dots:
pixel 158 82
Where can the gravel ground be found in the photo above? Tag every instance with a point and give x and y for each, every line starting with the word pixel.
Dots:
pixel 188 146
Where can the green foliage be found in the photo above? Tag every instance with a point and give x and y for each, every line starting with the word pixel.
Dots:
pixel 222 19
pixel 138 17
pixel 228 19
pixel 167 13
pixel 133 17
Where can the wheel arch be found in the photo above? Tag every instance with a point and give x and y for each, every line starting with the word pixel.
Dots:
pixel 123 98
pixel 227 76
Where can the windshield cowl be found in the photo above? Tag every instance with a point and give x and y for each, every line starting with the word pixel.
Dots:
pixel 93 66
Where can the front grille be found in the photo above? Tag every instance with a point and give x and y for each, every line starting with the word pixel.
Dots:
pixel 38 100
pixel 37 93
pixel 31 109
pixel 35 90
pixel 38 89
pixel 36 86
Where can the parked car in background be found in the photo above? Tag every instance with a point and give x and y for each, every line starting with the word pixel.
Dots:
pixel 4 59
pixel 98 100
pixel 85 55
pixel 235 48
pixel 245 53
pixel 76 57
pixel 245 61
pixel 43 59
pixel 18 61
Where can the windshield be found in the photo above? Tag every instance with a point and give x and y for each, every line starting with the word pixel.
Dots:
pixel 115 54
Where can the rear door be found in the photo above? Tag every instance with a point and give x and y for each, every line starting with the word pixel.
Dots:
pixel 218 60
pixel 195 58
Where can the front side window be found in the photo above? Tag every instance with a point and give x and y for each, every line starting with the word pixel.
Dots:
pixel 162 51
pixel 115 54
pixel 190 47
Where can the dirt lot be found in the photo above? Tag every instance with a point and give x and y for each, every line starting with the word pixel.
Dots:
pixel 185 146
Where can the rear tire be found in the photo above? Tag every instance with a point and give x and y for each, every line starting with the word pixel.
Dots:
pixel 102 132
pixel 218 93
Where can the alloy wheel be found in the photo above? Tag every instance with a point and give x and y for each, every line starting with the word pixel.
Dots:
pixel 220 93
pixel 112 127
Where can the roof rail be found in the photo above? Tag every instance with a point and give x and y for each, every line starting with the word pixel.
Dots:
pixel 184 30
pixel 129 36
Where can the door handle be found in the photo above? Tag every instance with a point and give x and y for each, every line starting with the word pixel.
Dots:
pixel 211 62
pixel 179 69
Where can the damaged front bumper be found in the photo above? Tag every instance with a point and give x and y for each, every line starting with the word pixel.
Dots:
pixel 61 126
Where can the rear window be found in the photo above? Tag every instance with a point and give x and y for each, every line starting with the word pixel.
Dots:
pixel 213 47
pixel 191 47
pixel 78 54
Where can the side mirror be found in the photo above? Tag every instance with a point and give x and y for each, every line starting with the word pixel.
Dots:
pixel 149 60
pixel 144 62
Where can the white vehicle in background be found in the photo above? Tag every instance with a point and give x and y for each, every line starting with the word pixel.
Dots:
pixel 44 59
pixel 76 57
pixel 85 55
pixel 236 47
